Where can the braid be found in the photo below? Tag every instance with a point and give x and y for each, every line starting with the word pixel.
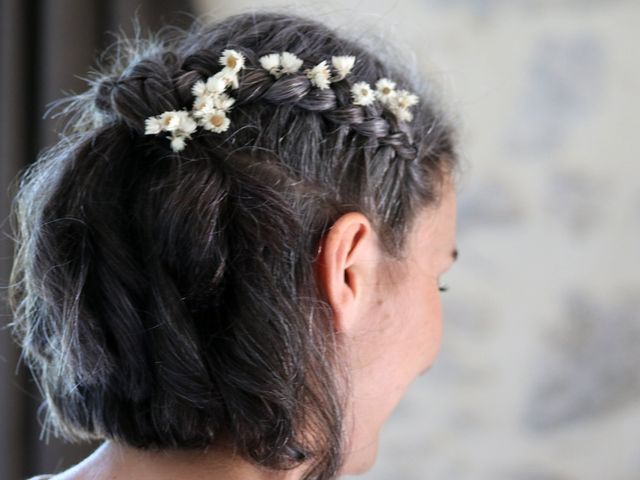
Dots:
pixel 146 88
pixel 151 86
pixel 334 104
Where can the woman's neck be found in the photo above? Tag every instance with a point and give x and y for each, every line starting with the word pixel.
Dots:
pixel 114 461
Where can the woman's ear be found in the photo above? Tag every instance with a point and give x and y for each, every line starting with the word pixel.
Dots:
pixel 345 268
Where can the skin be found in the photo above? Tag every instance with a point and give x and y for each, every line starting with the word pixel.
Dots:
pixel 388 315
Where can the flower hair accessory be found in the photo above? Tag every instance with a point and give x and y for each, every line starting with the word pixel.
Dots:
pixel 210 106
pixel 212 102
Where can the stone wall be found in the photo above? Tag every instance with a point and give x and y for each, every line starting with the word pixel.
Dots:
pixel 538 375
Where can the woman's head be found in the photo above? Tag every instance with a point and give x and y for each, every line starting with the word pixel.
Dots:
pixel 179 299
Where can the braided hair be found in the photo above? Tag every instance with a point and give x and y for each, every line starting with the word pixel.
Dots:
pixel 168 300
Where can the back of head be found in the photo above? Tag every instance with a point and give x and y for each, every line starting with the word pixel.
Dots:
pixel 166 299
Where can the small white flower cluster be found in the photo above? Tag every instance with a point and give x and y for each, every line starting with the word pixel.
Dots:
pixel 210 106
pixel 277 64
pixel 397 101
pixel 178 123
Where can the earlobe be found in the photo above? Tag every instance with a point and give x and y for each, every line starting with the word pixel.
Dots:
pixel 343 264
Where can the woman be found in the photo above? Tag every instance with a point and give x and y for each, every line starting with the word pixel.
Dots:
pixel 229 266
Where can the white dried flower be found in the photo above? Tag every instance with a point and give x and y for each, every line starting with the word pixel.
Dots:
pixel 186 123
pixel 178 142
pixel 385 90
pixel 216 121
pixel 152 126
pixel 402 114
pixel 199 88
pixel 228 76
pixel 216 84
pixel 223 102
pixel 362 94
pixel 400 103
pixel 343 66
pixel 233 60
pixel 290 63
pixel 201 105
pixel 405 99
pixel 169 120
pixel 271 63
pixel 319 75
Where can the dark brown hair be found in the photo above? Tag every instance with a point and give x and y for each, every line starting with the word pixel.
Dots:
pixel 165 299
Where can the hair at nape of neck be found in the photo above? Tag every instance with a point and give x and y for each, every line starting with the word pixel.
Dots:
pixel 212 104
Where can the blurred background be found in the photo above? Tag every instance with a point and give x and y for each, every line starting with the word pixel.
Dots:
pixel 539 373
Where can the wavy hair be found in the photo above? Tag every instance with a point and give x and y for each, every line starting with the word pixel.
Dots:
pixel 168 300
